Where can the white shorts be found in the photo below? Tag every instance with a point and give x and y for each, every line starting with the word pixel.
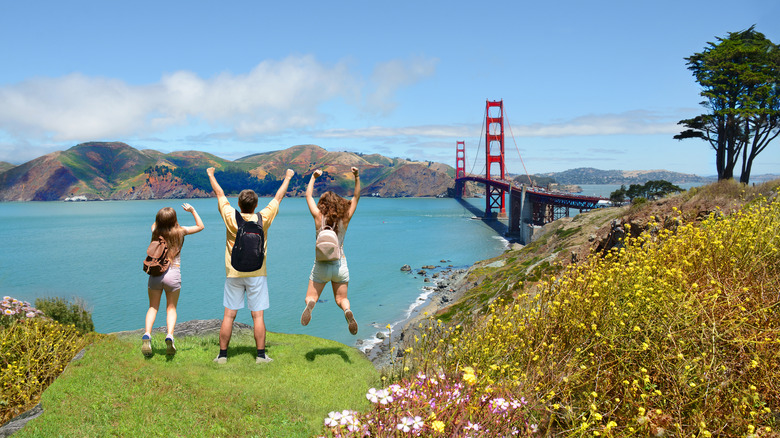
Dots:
pixel 335 272
pixel 255 289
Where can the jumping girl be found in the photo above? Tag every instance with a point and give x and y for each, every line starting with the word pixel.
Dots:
pixel 335 212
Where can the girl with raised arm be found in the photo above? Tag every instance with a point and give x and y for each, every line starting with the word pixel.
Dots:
pixel 334 212
pixel 167 226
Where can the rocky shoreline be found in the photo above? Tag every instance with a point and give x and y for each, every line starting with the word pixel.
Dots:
pixel 446 286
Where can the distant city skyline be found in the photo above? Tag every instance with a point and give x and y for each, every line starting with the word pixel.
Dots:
pixel 597 84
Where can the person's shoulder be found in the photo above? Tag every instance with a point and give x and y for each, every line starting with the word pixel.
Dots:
pixel 224 204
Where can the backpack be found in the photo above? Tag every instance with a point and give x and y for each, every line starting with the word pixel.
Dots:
pixel 156 262
pixel 248 251
pixel 327 248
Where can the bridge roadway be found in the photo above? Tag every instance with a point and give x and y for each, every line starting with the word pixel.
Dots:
pixel 530 206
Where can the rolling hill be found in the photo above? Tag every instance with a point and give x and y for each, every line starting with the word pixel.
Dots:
pixel 115 170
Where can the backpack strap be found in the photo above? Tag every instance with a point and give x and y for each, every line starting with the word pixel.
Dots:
pixel 240 219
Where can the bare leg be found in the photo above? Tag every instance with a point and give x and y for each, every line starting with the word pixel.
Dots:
pixel 259 323
pixel 226 329
pixel 171 300
pixel 312 295
pixel 340 294
pixel 154 306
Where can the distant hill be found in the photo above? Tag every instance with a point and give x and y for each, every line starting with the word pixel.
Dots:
pixel 115 170
pixel 5 166
pixel 589 175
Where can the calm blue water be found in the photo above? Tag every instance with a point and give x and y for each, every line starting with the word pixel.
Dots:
pixel 94 250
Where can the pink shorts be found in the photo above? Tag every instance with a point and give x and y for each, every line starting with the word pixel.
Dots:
pixel 169 282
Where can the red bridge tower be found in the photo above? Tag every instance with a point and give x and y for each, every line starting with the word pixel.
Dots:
pixel 460 167
pixel 494 154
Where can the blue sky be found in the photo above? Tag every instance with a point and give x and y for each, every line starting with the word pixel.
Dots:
pixel 584 83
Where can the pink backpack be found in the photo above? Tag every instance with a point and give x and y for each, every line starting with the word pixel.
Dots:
pixel 327 247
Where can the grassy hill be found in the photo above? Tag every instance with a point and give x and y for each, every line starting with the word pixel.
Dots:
pixel 115 391
pixel 659 319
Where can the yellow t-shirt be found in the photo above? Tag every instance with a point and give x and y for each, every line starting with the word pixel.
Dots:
pixel 229 217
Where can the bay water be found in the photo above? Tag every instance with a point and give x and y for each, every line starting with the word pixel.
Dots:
pixel 94 251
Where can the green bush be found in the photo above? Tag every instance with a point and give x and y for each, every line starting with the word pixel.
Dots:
pixel 67 313
pixel 34 352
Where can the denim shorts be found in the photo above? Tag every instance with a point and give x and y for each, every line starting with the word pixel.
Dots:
pixel 335 271
pixel 255 289
pixel 170 281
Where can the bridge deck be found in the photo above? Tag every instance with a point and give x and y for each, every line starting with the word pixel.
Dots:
pixel 539 194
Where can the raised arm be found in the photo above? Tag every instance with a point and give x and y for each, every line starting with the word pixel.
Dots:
pixel 285 183
pixel 198 222
pixel 355 197
pixel 218 192
pixel 315 212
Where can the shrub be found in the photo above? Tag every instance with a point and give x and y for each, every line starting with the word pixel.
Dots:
pixel 67 313
pixel 34 352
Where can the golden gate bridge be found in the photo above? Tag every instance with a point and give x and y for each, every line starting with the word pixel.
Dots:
pixel 528 205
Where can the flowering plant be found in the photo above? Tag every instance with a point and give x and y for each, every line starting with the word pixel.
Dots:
pixel 12 310
pixel 435 405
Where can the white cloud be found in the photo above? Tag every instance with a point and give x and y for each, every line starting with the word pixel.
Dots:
pixel 389 76
pixel 272 97
pixel 638 122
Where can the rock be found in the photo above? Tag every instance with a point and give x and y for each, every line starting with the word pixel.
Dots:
pixel 427 280
pixel 421 272
pixel 17 423
pixel 496 264
pixel 380 335
pixel 429 267
pixel 406 268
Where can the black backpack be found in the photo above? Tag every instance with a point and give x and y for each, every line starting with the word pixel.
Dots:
pixel 156 262
pixel 248 255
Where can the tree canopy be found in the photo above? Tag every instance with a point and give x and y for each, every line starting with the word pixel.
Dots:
pixel 649 190
pixel 740 80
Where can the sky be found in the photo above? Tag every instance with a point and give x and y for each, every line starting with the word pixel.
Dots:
pixel 583 83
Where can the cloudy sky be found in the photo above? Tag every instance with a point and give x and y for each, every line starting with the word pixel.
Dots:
pixel 584 83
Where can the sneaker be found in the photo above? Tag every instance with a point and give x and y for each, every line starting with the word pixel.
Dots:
pixel 146 345
pixel 171 348
pixel 222 360
pixel 264 359
pixel 306 315
pixel 353 327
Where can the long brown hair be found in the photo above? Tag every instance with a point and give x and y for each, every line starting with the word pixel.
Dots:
pixel 333 208
pixel 167 226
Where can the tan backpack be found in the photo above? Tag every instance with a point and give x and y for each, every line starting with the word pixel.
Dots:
pixel 327 248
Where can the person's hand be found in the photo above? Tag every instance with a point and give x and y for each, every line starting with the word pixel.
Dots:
pixel 290 173
pixel 355 171
pixel 210 171
pixel 317 173
pixel 187 207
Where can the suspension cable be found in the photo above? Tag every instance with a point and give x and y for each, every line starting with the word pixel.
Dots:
pixel 517 149
pixel 479 144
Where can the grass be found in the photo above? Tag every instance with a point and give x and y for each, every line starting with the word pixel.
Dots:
pixel 114 391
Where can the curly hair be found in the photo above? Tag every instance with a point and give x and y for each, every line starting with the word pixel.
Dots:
pixel 333 208
pixel 167 226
